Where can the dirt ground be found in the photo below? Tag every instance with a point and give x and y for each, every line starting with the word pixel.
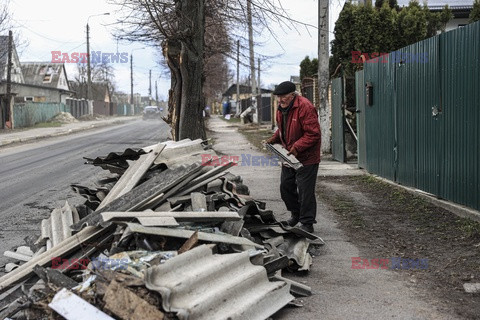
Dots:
pixel 386 221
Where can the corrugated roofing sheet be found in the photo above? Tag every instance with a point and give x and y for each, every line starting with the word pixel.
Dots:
pixel 57 228
pixel 200 285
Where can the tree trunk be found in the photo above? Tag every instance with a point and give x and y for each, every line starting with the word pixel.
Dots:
pixel 185 60
pixel 191 68
pixel 171 52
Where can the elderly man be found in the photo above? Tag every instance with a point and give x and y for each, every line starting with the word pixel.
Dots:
pixel 299 132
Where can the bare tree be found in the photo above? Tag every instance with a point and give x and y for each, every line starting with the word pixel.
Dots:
pixel 4 16
pixel 193 34
pixel 7 24
pixel 101 73
pixel 105 73
pixel 216 72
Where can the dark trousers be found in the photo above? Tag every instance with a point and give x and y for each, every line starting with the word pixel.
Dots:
pixel 297 188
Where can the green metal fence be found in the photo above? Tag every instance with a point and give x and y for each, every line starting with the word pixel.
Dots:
pixel 422 127
pixel 28 114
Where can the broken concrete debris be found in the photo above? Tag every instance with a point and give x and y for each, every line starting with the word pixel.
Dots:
pixel 165 237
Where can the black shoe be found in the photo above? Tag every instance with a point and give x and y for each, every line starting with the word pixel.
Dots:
pixel 306 227
pixel 292 222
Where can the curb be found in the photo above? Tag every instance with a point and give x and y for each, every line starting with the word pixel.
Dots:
pixel 455 208
pixel 65 132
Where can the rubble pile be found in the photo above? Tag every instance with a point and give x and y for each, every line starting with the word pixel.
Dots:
pixel 166 237
pixel 63 117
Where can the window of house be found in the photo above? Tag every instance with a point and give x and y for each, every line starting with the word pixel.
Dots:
pixel 47 78
pixel 28 98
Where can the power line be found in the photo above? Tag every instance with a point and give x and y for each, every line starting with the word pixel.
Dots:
pixel 41 35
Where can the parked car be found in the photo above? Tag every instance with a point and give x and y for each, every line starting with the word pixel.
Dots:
pixel 151 112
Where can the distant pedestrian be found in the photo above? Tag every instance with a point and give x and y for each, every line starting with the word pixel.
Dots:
pixel 226 107
pixel 299 132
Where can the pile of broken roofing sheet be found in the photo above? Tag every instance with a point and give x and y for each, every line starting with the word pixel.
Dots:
pixel 167 237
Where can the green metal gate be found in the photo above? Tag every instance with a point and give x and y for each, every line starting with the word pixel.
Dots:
pixel 360 104
pixel 422 127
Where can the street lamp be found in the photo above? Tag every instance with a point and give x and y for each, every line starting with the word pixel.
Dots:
pixel 131 75
pixel 89 77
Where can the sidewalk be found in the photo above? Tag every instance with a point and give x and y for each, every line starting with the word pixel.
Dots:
pixel 29 134
pixel 340 292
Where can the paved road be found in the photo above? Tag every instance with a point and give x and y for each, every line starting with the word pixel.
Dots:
pixel 36 177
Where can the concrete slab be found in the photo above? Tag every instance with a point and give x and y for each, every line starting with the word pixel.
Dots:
pixel 329 167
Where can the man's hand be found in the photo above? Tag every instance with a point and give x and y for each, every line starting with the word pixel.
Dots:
pixel 293 152
pixel 270 140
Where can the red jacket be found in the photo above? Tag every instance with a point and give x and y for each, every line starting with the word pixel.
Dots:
pixel 303 131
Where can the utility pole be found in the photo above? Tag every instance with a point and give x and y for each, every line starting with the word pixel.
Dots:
pixel 150 87
pixel 156 93
pixel 239 108
pixel 89 74
pixel 252 60
pixel 323 77
pixel 131 80
pixel 7 114
pixel 259 95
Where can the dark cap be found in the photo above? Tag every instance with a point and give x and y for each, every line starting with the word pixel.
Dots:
pixel 284 88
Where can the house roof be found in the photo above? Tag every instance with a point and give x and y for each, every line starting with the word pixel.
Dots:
pixel 243 89
pixel 3 53
pixel 439 3
pixel 460 8
pixel 16 72
pixel 45 74
pixel 99 90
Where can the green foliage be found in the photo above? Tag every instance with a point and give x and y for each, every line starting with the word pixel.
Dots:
pixel 437 21
pixel 344 41
pixel 381 28
pixel 475 14
pixel 308 68
pixel 391 4
pixel 411 25
pixel 47 125
pixel 445 16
